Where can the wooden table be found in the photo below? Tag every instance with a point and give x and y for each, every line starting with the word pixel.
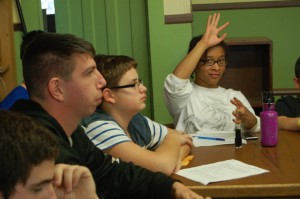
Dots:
pixel 283 162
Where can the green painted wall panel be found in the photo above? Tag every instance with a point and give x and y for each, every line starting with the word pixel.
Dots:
pixel 112 26
pixel 32 13
pixel 278 24
pixel 140 51
pixel 69 17
pixel 17 43
pixel 95 26
pixel 168 44
pixel 33 18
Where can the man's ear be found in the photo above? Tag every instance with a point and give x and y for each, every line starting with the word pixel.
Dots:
pixel 108 96
pixel 55 89
pixel 296 82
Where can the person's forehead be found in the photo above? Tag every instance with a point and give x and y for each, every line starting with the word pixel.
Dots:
pixel 83 61
pixel 40 172
pixel 130 74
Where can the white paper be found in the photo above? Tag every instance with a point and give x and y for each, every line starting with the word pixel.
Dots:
pixel 220 171
pixel 229 137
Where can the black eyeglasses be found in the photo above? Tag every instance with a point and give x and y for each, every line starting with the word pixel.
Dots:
pixel 134 85
pixel 211 62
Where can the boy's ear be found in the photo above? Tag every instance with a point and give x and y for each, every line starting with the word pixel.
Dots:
pixel 296 82
pixel 56 89
pixel 108 95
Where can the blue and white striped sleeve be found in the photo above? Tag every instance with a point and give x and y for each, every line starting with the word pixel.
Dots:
pixel 106 134
pixel 158 133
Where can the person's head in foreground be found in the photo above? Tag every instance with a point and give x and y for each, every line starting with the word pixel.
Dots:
pixel 27 153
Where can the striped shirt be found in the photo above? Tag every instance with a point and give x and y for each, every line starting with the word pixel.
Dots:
pixel 105 132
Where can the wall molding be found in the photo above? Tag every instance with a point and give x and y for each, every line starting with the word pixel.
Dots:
pixel 180 18
pixel 18 27
pixel 245 5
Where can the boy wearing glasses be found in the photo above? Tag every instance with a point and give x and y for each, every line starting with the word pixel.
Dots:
pixel 203 105
pixel 120 130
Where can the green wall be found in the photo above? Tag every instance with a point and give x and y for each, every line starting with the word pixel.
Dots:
pixel 278 24
pixel 34 21
pixel 169 43
pixel 117 27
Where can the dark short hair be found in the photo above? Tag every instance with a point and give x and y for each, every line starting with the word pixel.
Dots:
pixel 51 55
pixel 113 67
pixel 27 39
pixel 297 68
pixel 23 145
pixel 196 39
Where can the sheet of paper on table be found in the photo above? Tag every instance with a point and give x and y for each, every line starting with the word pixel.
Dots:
pixel 220 171
pixel 229 137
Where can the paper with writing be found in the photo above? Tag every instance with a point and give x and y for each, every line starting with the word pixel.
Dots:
pixel 220 171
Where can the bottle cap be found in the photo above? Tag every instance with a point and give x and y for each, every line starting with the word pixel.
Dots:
pixel 267 97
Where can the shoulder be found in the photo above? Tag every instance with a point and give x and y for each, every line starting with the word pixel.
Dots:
pixel 99 126
pixel 98 115
pixel 288 106
pixel 288 101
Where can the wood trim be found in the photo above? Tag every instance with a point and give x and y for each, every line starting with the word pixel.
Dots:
pixel 180 18
pixel 18 27
pixel 248 40
pixel 7 48
pixel 245 5
pixel 286 91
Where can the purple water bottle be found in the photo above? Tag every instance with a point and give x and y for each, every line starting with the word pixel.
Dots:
pixel 268 120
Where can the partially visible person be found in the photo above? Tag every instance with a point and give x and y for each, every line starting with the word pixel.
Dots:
pixel 17 93
pixel 27 163
pixel 203 105
pixel 65 86
pixel 20 91
pixel 288 107
pixel 119 129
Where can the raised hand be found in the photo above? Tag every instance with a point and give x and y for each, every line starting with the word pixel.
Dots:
pixel 210 37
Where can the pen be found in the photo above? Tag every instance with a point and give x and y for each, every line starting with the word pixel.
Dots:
pixel 209 138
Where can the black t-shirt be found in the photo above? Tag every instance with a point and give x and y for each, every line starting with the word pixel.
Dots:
pixel 288 106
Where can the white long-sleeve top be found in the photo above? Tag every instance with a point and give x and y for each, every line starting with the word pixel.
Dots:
pixel 196 108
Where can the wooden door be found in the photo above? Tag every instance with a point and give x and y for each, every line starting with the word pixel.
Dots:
pixel 8 79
